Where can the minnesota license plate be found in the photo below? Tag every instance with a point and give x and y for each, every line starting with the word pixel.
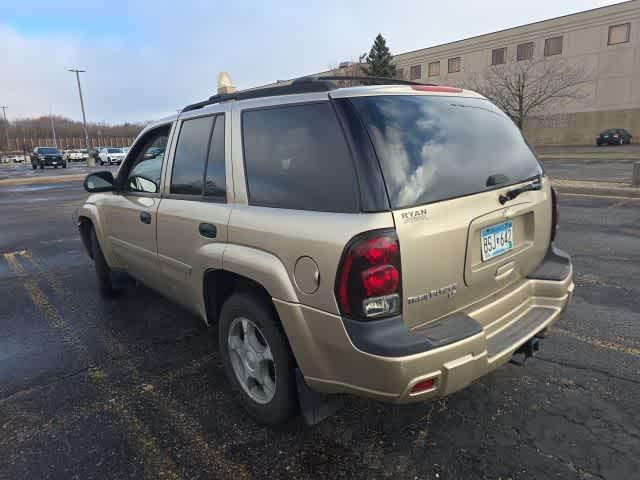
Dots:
pixel 496 240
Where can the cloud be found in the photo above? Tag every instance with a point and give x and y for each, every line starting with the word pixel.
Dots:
pixel 144 59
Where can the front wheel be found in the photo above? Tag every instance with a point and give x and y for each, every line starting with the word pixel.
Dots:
pixel 34 166
pixel 257 358
pixel 41 166
pixel 621 142
pixel 103 272
pixel 64 165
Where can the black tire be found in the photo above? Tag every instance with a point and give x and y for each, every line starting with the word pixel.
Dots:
pixel 34 166
pixel 103 272
pixel 64 165
pixel 284 404
pixel 41 166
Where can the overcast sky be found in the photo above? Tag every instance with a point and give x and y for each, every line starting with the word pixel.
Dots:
pixel 145 59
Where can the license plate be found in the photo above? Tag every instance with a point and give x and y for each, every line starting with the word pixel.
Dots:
pixel 496 240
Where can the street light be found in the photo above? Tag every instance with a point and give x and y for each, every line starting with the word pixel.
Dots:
pixel 6 125
pixel 90 159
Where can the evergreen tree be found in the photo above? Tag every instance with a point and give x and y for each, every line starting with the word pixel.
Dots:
pixel 379 60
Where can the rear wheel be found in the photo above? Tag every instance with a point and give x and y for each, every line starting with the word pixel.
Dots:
pixel 33 165
pixel 257 358
pixel 41 166
pixel 103 272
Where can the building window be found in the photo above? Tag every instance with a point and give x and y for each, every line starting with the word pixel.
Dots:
pixel 454 65
pixel 499 56
pixel 415 72
pixel 525 51
pixel 552 46
pixel 434 69
pixel 400 73
pixel 619 33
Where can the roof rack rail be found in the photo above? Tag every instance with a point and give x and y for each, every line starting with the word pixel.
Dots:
pixel 323 83
pixel 374 80
pixel 299 85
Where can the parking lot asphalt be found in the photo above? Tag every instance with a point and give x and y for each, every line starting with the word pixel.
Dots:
pixel 591 169
pixel 133 387
pixel 24 170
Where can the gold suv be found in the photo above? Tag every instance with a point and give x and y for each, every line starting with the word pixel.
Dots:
pixel 393 241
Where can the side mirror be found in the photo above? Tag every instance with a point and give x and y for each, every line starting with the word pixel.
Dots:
pixel 99 182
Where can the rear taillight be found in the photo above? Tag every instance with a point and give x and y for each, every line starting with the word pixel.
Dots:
pixel 369 280
pixel 555 213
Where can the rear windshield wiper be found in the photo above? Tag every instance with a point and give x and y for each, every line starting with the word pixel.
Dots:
pixel 511 194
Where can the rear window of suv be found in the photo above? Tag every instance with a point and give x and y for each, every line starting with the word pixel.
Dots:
pixel 433 148
pixel 296 157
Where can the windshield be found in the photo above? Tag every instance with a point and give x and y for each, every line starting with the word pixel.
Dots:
pixel 48 151
pixel 433 148
pixel 114 150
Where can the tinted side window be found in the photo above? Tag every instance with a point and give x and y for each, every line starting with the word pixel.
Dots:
pixel 191 152
pixel 296 157
pixel 215 185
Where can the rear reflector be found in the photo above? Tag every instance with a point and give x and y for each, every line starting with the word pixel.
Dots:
pixel 436 88
pixel 423 386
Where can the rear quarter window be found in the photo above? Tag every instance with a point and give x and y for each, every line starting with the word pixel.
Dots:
pixel 296 157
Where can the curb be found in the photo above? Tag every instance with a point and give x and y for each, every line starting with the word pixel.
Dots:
pixel 596 188
pixel 36 180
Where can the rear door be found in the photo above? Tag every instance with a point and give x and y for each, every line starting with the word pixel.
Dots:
pixel 194 213
pixel 446 160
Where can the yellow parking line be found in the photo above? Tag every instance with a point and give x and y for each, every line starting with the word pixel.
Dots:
pixel 138 433
pixel 596 342
pixel 187 426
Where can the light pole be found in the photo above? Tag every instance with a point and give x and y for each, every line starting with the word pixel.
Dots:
pixel 6 124
pixel 90 160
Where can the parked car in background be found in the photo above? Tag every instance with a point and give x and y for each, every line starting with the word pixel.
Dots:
pixel 47 157
pixel 613 136
pixel 74 155
pixel 111 156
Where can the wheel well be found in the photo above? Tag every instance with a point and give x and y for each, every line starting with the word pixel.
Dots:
pixel 85 225
pixel 221 284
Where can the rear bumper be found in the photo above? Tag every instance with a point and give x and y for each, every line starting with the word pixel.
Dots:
pixel 384 360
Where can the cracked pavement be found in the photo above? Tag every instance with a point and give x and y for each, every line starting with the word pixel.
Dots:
pixel 134 388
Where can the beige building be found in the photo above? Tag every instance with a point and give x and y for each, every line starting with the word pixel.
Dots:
pixel 605 42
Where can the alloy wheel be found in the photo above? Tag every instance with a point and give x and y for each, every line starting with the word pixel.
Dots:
pixel 252 360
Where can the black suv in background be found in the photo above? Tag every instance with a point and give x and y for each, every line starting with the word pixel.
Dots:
pixel 47 157
pixel 613 136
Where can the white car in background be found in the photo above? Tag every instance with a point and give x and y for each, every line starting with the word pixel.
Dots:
pixel 111 156
pixel 75 155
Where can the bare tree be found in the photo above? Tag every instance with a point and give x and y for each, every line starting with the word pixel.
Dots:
pixel 531 87
pixel 351 68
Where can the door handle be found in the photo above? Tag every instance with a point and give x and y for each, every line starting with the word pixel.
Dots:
pixel 145 217
pixel 208 230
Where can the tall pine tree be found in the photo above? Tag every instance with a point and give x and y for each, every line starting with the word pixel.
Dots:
pixel 379 60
